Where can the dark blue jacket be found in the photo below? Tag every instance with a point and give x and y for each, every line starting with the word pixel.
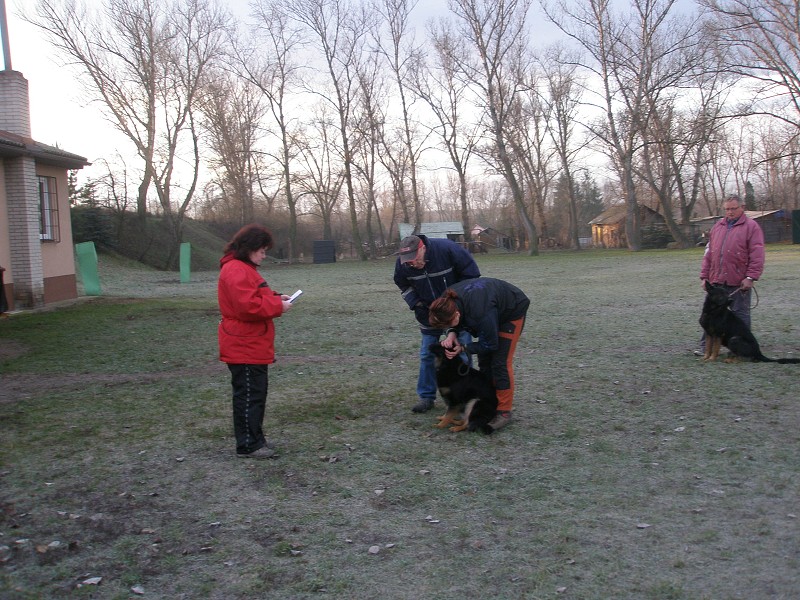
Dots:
pixel 486 306
pixel 446 263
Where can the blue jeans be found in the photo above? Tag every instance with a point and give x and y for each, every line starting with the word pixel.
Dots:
pixel 426 382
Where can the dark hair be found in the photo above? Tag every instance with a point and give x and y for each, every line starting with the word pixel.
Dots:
pixel 443 309
pixel 249 238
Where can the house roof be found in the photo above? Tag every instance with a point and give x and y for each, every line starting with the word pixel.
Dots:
pixel 433 230
pixel 757 214
pixel 751 214
pixel 480 230
pixel 616 214
pixel 704 219
pixel 13 145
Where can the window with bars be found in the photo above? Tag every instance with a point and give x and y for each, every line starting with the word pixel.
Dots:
pixel 48 209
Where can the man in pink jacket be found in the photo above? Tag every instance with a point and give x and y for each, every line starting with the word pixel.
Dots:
pixel 734 256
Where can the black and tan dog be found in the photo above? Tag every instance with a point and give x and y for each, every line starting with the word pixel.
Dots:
pixel 469 394
pixel 724 328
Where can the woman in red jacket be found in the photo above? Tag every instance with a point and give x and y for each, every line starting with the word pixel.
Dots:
pixel 247 334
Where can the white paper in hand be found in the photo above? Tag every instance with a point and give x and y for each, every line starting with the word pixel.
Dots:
pixel 295 296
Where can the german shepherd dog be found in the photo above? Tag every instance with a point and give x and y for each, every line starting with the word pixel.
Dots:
pixel 724 328
pixel 466 391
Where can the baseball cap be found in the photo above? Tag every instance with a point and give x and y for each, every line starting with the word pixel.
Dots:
pixel 408 248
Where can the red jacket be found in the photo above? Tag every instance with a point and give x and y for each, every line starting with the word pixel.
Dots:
pixel 248 306
pixel 733 253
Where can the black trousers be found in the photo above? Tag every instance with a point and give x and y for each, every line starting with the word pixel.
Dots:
pixel 250 383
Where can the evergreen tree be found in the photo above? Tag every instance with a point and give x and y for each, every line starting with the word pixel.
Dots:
pixel 749 196
pixel 590 203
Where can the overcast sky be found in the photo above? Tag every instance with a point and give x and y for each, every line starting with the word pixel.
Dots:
pixel 60 113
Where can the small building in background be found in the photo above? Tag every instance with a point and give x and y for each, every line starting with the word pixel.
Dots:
pixel 608 228
pixel 450 230
pixel 776 224
pixel 489 237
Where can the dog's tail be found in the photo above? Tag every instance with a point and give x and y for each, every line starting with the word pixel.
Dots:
pixel 781 361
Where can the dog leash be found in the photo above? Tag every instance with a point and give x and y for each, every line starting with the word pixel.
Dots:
pixel 739 291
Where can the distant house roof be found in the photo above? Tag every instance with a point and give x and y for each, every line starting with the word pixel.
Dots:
pixel 432 230
pixel 757 214
pixel 751 214
pixel 616 214
pixel 480 230
pixel 699 220
pixel 12 145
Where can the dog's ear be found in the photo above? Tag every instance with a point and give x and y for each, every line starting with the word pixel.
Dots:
pixel 434 348
pixel 707 286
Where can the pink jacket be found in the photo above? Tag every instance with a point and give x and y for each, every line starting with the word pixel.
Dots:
pixel 733 253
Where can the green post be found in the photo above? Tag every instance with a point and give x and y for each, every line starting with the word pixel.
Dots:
pixel 87 263
pixel 186 262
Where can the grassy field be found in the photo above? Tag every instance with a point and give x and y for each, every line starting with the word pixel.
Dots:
pixel 632 469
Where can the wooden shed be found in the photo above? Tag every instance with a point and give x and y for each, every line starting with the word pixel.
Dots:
pixel 700 227
pixel 608 228
pixel 492 238
pixel 776 225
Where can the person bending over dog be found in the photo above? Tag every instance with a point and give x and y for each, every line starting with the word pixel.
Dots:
pixel 493 311
pixel 734 259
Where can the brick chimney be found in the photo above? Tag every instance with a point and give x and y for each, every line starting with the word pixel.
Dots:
pixel 15 114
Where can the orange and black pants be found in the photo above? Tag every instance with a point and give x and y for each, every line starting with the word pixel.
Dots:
pixel 500 362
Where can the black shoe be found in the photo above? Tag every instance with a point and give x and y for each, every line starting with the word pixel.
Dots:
pixel 261 453
pixel 422 405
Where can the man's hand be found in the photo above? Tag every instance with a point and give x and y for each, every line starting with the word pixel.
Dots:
pixel 746 284
pixel 454 351
pixel 450 341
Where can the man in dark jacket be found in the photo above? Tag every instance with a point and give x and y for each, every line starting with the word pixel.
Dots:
pixel 425 268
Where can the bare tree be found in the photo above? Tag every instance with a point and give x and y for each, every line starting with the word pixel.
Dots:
pixel 120 52
pixel 320 176
pixel 761 40
pixel 527 134
pixel 233 110
pixel 145 61
pixel 496 33
pixel 677 138
pixel 394 159
pixel 563 98
pixel 369 123
pixel 635 58
pixel 447 95
pixel 401 60
pixel 269 62
pixel 340 30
